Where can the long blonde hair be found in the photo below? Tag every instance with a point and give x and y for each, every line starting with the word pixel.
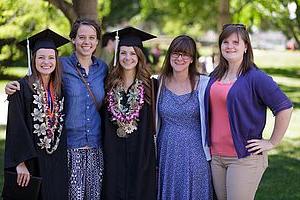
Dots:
pixel 115 74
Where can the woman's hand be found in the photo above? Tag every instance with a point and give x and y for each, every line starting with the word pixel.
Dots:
pixel 256 146
pixel 12 87
pixel 23 175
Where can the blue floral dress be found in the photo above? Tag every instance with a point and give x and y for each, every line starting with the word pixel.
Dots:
pixel 184 172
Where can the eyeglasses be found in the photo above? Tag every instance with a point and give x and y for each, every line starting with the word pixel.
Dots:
pixel 184 56
pixel 242 26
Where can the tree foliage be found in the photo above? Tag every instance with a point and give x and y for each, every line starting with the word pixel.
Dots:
pixel 277 15
pixel 180 16
pixel 22 18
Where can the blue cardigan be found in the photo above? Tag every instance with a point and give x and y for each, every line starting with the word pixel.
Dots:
pixel 247 103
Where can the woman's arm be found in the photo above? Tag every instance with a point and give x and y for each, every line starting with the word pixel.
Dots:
pixel 282 120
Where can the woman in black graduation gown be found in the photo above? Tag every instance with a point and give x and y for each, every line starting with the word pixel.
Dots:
pixel 35 144
pixel 129 152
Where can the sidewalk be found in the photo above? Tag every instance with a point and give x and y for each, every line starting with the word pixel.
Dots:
pixel 3 109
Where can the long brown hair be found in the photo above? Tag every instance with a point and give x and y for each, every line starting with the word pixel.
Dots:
pixel 114 77
pixel 187 45
pixel 55 76
pixel 247 62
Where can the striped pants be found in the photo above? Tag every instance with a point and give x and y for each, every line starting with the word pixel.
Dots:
pixel 85 172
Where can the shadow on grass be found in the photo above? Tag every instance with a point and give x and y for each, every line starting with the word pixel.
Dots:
pixel 9 77
pixel 281 180
pixel 293 92
pixel 291 72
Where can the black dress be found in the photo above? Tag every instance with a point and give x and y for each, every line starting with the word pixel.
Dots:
pixel 21 145
pixel 129 163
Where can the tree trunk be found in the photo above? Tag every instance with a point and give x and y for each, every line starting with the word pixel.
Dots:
pixel 78 8
pixel 224 15
pixel 86 8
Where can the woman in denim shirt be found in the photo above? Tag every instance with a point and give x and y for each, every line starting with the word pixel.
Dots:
pixel 81 71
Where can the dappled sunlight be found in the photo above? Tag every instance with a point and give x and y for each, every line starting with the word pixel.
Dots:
pixel 276 59
pixel 281 178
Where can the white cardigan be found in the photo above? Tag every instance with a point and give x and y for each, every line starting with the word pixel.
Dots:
pixel 202 83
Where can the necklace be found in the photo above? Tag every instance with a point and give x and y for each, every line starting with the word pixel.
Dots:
pixel 126 116
pixel 47 118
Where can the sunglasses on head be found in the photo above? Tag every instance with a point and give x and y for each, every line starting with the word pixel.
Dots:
pixel 242 26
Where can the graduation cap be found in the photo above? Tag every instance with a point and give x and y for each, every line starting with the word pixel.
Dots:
pixel 130 36
pixel 47 39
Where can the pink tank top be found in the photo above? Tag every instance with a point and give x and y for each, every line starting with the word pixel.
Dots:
pixel 221 138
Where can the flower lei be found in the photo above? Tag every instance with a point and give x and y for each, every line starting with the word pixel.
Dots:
pixel 47 125
pixel 126 117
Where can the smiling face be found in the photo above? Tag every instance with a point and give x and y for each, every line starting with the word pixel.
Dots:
pixel 128 58
pixel 180 61
pixel 45 61
pixel 85 41
pixel 233 49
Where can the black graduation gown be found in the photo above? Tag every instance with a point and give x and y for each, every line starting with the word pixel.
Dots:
pixel 129 163
pixel 21 145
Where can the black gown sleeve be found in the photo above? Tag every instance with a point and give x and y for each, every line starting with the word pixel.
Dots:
pixel 19 145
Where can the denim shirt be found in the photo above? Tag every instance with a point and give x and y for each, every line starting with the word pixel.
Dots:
pixel 83 121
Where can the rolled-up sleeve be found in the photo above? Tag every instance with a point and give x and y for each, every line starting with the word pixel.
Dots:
pixel 270 94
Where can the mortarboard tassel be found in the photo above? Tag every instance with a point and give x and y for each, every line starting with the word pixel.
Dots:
pixel 29 72
pixel 116 48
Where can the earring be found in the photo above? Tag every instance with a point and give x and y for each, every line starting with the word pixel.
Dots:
pixel 245 51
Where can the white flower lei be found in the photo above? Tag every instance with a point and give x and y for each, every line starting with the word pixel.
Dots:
pixel 48 129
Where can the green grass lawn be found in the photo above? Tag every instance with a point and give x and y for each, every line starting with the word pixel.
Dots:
pixel 281 180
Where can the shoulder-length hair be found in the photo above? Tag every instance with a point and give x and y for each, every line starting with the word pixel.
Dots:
pixel 247 62
pixel 187 45
pixel 85 21
pixel 115 75
pixel 55 76
pixel 88 22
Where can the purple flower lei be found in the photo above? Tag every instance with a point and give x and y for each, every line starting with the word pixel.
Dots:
pixel 126 118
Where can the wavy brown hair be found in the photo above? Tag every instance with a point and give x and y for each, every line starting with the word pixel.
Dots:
pixel 114 77
pixel 187 45
pixel 247 62
pixel 55 76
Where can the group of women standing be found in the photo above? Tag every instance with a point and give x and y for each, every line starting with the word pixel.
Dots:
pixel 197 119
